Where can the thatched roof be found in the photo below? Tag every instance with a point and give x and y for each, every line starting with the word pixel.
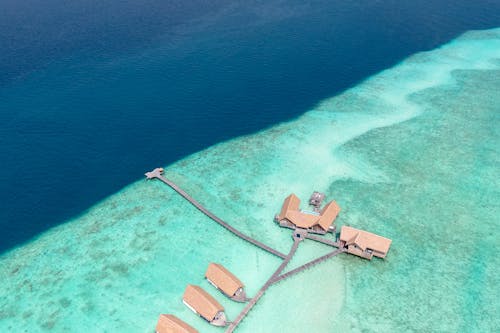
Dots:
pixel 168 323
pixel 223 279
pixel 365 240
pixel 202 302
pixel 291 212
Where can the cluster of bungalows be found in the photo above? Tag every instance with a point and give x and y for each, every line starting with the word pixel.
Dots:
pixel 358 242
pixel 204 304
pixel 319 222
pixel 364 244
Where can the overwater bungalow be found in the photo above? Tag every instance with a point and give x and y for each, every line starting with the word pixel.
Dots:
pixel 168 323
pixel 226 282
pixel 319 222
pixel 201 303
pixel 363 243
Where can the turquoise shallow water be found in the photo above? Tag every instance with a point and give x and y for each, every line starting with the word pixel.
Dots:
pixel 411 153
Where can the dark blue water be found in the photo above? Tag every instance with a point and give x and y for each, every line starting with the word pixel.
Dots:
pixel 95 93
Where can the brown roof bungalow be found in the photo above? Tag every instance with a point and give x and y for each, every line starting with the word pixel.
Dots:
pixel 201 303
pixel 291 216
pixel 168 323
pixel 363 243
pixel 226 282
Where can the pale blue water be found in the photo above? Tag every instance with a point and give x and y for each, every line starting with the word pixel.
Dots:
pixel 411 154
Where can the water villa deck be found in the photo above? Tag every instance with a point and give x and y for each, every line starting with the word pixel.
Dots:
pixel 168 323
pixel 222 279
pixel 304 224
pixel 203 304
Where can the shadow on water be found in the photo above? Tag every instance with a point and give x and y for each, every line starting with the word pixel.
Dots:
pixel 92 100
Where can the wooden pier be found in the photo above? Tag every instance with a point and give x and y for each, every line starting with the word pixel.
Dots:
pixel 157 173
pixel 323 240
pixel 299 235
pixel 269 282
pixel 307 265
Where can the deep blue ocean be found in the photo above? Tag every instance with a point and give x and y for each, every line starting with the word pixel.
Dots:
pixel 93 93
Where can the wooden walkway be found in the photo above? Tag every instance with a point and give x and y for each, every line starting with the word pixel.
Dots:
pixel 323 240
pixel 263 289
pixel 156 173
pixel 308 265
pixel 298 236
